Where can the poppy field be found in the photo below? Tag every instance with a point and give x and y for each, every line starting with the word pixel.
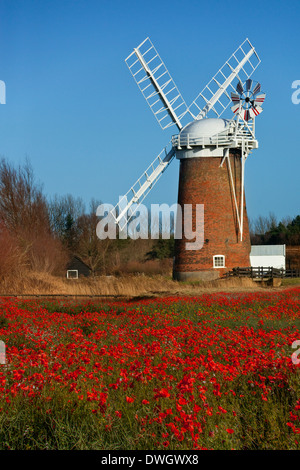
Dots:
pixel 179 373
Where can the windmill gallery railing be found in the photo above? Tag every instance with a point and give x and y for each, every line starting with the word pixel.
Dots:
pixel 262 272
pixel 228 138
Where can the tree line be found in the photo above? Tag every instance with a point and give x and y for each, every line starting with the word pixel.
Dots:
pixel 266 230
pixel 43 234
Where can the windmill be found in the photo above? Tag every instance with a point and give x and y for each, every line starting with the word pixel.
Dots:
pixel 202 146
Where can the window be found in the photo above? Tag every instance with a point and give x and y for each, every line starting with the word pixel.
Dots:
pixel 219 261
pixel 72 274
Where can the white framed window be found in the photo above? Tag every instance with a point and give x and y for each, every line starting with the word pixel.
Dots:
pixel 219 261
pixel 72 274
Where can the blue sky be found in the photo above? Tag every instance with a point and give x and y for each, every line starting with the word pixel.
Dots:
pixel 73 109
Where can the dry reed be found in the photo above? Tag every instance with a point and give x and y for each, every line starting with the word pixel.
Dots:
pixel 130 285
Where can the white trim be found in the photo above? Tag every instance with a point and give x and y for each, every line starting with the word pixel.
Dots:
pixel 72 271
pixel 214 260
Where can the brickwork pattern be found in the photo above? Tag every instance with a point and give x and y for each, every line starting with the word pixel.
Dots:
pixel 203 181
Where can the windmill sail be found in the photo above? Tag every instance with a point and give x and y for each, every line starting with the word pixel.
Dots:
pixel 169 108
pixel 142 187
pixel 215 96
pixel 156 85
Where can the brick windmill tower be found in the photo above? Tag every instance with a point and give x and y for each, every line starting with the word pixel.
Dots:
pixel 212 152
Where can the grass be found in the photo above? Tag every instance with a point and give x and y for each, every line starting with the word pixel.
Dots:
pixel 291 281
pixel 128 285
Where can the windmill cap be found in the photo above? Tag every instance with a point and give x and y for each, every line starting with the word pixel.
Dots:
pixel 204 127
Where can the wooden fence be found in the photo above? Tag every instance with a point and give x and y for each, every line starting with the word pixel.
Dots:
pixel 262 272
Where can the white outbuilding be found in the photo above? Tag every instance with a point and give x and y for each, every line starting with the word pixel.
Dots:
pixel 268 256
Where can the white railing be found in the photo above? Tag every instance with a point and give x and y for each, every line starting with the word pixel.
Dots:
pixel 222 139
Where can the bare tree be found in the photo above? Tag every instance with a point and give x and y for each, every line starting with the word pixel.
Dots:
pixel 23 207
pixel 90 248
pixel 10 256
pixel 65 213
pixel 263 224
pixel 24 218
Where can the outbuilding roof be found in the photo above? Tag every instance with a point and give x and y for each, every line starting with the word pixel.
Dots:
pixel 267 250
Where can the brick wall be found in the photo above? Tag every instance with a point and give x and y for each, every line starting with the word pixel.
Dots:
pixel 203 181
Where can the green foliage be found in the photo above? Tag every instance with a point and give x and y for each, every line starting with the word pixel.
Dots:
pixel 162 249
pixel 282 233
pixel 4 322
